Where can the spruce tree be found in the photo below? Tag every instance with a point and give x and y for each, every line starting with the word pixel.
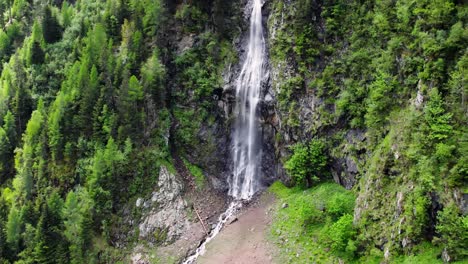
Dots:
pixel 51 28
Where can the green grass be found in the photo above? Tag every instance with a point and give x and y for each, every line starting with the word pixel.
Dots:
pixel 197 173
pixel 316 227
pixel 301 230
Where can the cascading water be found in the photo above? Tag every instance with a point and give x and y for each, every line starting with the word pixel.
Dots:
pixel 246 149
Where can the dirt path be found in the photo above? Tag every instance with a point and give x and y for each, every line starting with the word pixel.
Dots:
pixel 244 241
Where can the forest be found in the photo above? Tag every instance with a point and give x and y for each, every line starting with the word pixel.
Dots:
pixel 97 96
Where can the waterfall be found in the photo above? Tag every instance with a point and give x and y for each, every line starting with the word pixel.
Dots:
pixel 246 149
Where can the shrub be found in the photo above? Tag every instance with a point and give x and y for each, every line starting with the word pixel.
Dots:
pixel 453 231
pixel 341 232
pixel 196 172
pixel 307 164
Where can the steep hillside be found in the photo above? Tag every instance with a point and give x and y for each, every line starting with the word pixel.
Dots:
pixel 116 119
pixel 381 85
pixel 107 114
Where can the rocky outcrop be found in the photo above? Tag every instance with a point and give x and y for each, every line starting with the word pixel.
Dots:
pixel 169 228
pixel 297 114
pixel 166 218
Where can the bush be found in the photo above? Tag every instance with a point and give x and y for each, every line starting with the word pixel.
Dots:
pixel 196 172
pixel 307 164
pixel 341 233
pixel 453 231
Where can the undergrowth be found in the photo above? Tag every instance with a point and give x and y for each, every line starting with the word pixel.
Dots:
pixel 316 226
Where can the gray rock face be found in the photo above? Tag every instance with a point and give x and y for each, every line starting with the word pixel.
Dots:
pixel 464 204
pixel 185 43
pixel 306 116
pixel 167 219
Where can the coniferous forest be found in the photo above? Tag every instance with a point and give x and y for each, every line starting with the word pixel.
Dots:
pixel 113 111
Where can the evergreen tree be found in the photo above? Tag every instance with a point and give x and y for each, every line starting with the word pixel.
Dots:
pixel 13 229
pixel 51 247
pixel 51 29
pixel 5 155
pixel 21 103
pixel 9 127
pixel 78 224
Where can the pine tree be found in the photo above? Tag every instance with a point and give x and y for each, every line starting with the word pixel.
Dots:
pixel 5 155
pixel 21 103
pixel 52 31
pixel 13 229
pixel 10 128
pixel 51 247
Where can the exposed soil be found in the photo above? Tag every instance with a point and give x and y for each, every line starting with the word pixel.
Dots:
pixel 209 204
pixel 244 241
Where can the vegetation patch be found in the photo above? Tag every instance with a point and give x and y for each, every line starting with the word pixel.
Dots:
pixel 316 226
pixel 197 174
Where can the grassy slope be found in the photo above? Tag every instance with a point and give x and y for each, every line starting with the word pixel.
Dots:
pixel 307 231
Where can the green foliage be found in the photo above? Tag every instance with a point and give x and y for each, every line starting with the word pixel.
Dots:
pixel 310 223
pixel 197 173
pixel 436 117
pixel 135 91
pixel 189 125
pixel 389 72
pixel 192 17
pixel 379 101
pixel 106 166
pixel 34 51
pixel 83 115
pixel 92 93
pixel 49 247
pixel 200 69
pixel 153 17
pixel 4 44
pixel 308 163
pixel 453 230
pixel 66 12
pixel 153 76
pixel 50 26
pixel 340 233
pixel 78 223
pixel 424 253
pixel 5 154
pixel 13 229
pixel 25 158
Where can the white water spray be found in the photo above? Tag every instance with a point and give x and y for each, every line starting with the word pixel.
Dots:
pixel 246 150
pixel 232 209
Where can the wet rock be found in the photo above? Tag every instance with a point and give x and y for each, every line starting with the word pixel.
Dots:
pixel 351 166
pixel 139 202
pixel 419 100
pixel 387 254
pixel 399 203
pixel 445 256
pixel 464 204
